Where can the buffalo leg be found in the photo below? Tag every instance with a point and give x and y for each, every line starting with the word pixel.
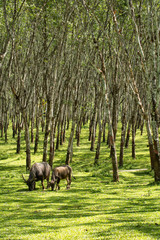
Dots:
pixel 68 182
pixel 42 184
pixel 58 181
pixel 48 184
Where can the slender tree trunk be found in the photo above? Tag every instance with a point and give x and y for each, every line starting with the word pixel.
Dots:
pixel 19 126
pixel 2 129
pixel 61 133
pixel 47 127
pixel 64 130
pixel 93 124
pixel 32 128
pixel 2 117
pixel 27 139
pixel 156 151
pixel 93 136
pixel 42 123
pixel 58 130
pixel 6 127
pixel 19 139
pixel 90 130
pixel 115 99
pixel 113 150
pixel 78 131
pixel 111 136
pixel 133 135
pixel 52 142
pixel 33 117
pixel 37 132
pixel 123 132
pixel 70 143
pixel 150 142
pixel 104 129
pixel 128 134
pixel 114 113
pixel 13 127
pixel 96 162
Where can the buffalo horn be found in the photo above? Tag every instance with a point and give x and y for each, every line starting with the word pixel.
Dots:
pixel 24 179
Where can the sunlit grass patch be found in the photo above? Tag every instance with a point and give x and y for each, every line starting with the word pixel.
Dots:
pixel 94 207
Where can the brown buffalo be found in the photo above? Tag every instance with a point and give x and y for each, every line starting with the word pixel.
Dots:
pixel 61 172
pixel 38 172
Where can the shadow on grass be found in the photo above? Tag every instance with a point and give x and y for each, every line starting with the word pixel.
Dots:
pixel 138 229
pixel 88 198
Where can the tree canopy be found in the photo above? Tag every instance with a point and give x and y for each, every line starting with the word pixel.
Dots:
pixel 80 61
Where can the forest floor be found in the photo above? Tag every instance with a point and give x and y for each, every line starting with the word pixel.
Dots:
pixel 94 207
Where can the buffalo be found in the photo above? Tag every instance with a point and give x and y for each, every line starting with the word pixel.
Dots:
pixel 61 172
pixel 38 172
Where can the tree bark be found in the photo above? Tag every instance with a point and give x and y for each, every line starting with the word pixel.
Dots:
pixel 156 152
pixel 52 142
pixel 123 133
pixel 27 139
pixel 93 124
pixel 133 133
pixel 128 134
pixel 70 143
pixel 150 142
pixel 47 127
pixel 37 131
pixel 96 162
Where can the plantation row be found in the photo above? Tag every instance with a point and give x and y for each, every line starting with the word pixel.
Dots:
pixel 80 62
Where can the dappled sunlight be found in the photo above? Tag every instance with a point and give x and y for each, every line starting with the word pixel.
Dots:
pixel 93 208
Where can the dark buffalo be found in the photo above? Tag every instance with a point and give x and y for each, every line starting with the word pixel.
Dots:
pixel 58 173
pixel 38 172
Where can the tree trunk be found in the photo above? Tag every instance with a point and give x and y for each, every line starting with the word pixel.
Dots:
pixel 90 130
pixel 27 139
pixel 123 132
pixel 47 127
pixel 111 137
pixel 96 162
pixel 37 133
pixel 150 142
pixel 104 129
pixel 70 143
pixel 114 113
pixel 6 127
pixel 19 140
pixel 13 127
pixel 32 127
pixel 58 130
pixel 93 124
pixel 64 131
pixel 19 125
pixel 78 132
pixel 156 151
pixel 128 134
pixel 52 142
pixel 133 135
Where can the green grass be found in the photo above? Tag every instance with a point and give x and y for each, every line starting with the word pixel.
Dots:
pixel 94 207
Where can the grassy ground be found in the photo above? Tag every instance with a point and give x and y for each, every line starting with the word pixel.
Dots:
pixel 94 207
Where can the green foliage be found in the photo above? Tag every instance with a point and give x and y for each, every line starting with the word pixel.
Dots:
pixel 94 207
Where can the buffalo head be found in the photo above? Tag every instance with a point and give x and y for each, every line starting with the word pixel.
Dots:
pixel 30 183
